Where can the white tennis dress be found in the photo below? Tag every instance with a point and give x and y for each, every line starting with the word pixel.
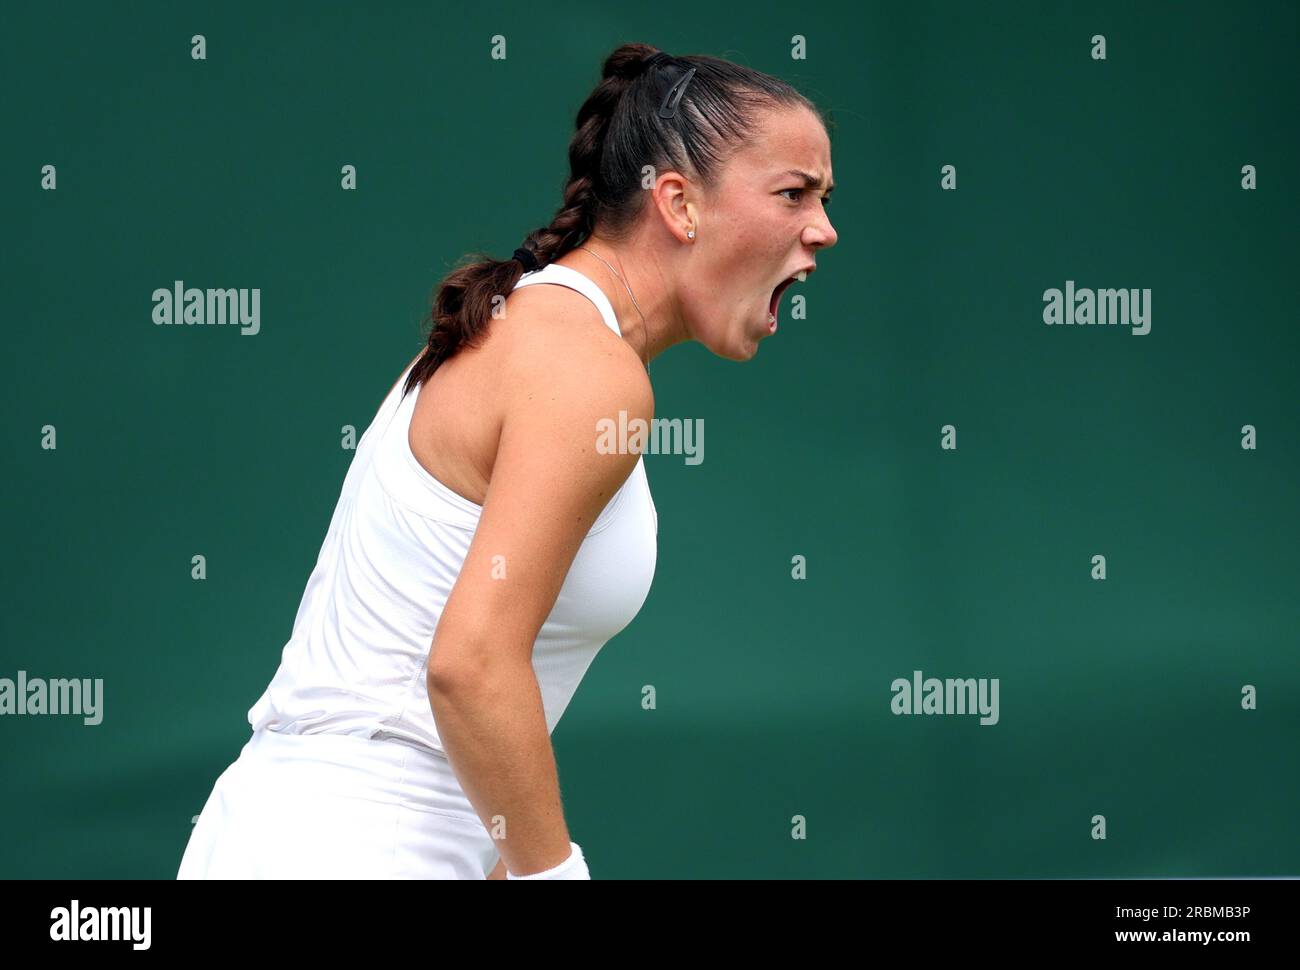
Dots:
pixel 344 775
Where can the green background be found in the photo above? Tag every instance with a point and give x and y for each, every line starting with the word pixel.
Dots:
pixel 1119 698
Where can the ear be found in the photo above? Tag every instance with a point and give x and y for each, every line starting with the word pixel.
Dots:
pixel 673 197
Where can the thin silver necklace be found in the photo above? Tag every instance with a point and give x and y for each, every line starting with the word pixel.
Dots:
pixel 644 360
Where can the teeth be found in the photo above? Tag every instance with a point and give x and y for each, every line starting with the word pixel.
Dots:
pixel 801 275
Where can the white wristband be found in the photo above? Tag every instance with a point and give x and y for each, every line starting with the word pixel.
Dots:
pixel 574 867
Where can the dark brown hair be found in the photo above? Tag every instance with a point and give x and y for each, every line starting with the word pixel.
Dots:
pixel 618 132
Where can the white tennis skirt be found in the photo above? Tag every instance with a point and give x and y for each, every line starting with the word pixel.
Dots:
pixel 337 806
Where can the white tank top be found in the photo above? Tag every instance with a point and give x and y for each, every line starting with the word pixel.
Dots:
pixel 357 658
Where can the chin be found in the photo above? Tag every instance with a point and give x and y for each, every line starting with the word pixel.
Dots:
pixel 741 354
pixel 742 347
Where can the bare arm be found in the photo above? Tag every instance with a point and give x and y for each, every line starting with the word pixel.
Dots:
pixel 548 485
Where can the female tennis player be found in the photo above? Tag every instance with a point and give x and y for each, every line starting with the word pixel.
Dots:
pixel 484 547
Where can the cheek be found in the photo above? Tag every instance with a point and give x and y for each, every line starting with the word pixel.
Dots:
pixel 755 252
pixel 758 240
pixel 747 228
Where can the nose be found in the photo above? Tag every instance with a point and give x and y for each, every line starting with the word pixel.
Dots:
pixel 821 233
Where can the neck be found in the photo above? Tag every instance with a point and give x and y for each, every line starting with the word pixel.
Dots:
pixel 644 274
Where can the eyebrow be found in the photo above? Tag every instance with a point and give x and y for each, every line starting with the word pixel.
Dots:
pixel 811 181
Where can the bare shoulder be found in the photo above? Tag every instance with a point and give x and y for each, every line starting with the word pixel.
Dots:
pixel 558 352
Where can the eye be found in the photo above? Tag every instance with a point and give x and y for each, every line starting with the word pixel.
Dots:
pixel 826 199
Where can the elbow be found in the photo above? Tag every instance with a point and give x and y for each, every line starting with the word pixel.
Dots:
pixel 454 673
pixel 443 680
pixel 476 676
pixel 453 657
pixel 476 661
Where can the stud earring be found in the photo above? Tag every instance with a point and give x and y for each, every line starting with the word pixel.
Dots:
pixel 690 234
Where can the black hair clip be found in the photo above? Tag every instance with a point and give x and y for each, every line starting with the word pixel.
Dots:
pixel 674 96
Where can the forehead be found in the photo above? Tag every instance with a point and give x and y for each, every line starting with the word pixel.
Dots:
pixel 785 138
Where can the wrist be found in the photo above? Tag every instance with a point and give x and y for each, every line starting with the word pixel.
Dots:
pixel 574 867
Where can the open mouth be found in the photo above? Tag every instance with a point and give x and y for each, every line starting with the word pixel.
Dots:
pixel 774 303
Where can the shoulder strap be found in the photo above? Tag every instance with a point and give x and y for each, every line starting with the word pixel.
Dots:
pixel 567 276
